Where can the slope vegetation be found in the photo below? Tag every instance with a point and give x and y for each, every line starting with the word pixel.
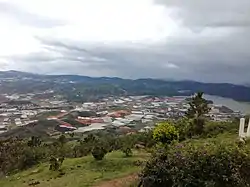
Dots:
pixel 79 172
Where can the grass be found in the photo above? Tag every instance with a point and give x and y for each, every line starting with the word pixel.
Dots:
pixel 79 172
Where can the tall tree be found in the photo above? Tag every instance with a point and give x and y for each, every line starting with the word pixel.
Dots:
pixel 197 111
pixel 198 106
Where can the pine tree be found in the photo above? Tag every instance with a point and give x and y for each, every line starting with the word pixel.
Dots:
pixel 197 111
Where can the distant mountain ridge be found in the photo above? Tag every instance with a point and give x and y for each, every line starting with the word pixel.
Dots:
pixel 117 86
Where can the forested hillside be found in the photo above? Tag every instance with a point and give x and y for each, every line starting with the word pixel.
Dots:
pixel 75 87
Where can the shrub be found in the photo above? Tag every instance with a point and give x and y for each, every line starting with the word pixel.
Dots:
pixel 127 151
pixel 165 133
pixel 215 128
pixel 185 128
pixel 55 163
pixel 16 154
pixel 30 157
pixel 99 152
pixel 199 164
pixel 10 151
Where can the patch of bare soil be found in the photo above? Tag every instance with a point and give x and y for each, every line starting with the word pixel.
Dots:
pixel 120 182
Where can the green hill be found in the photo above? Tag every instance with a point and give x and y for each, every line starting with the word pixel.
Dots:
pixel 83 88
pixel 78 172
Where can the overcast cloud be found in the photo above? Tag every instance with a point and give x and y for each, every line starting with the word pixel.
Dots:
pixel 175 39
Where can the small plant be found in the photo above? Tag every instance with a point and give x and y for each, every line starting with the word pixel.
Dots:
pixel 127 151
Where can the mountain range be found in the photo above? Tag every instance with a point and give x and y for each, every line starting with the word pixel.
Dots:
pixel 74 86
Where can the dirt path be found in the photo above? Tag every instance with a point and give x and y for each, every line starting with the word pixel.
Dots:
pixel 120 182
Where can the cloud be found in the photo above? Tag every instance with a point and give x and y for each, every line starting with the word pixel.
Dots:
pixel 203 13
pixel 196 39
pixel 25 17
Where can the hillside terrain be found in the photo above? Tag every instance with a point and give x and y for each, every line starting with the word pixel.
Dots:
pixel 79 172
pixel 75 87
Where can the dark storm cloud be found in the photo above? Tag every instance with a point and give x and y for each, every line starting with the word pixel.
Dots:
pixel 27 18
pixel 60 58
pixel 224 59
pixel 121 61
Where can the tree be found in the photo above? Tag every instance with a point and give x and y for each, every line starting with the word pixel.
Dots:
pixel 197 111
pixel 198 106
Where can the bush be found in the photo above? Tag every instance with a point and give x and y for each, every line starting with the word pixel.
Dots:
pixel 99 152
pixel 55 163
pixel 195 164
pixel 127 151
pixel 30 157
pixel 16 155
pixel 165 133
pixel 213 129
pixel 185 128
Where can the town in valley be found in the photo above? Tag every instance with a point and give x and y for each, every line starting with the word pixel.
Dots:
pixel 47 113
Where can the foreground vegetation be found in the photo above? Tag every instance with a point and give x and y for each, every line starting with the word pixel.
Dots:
pixel 78 172
pixel 198 153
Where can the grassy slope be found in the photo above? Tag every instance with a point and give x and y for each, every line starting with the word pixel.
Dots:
pixel 79 172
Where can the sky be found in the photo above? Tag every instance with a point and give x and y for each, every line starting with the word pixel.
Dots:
pixel 201 40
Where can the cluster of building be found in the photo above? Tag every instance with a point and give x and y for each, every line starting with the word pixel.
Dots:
pixel 125 114
pixel 137 113
pixel 19 110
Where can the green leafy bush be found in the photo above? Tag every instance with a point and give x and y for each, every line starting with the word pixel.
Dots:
pixel 195 164
pixel 185 128
pixel 127 151
pixel 165 133
pixel 30 157
pixel 16 155
pixel 213 128
pixel 99 152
